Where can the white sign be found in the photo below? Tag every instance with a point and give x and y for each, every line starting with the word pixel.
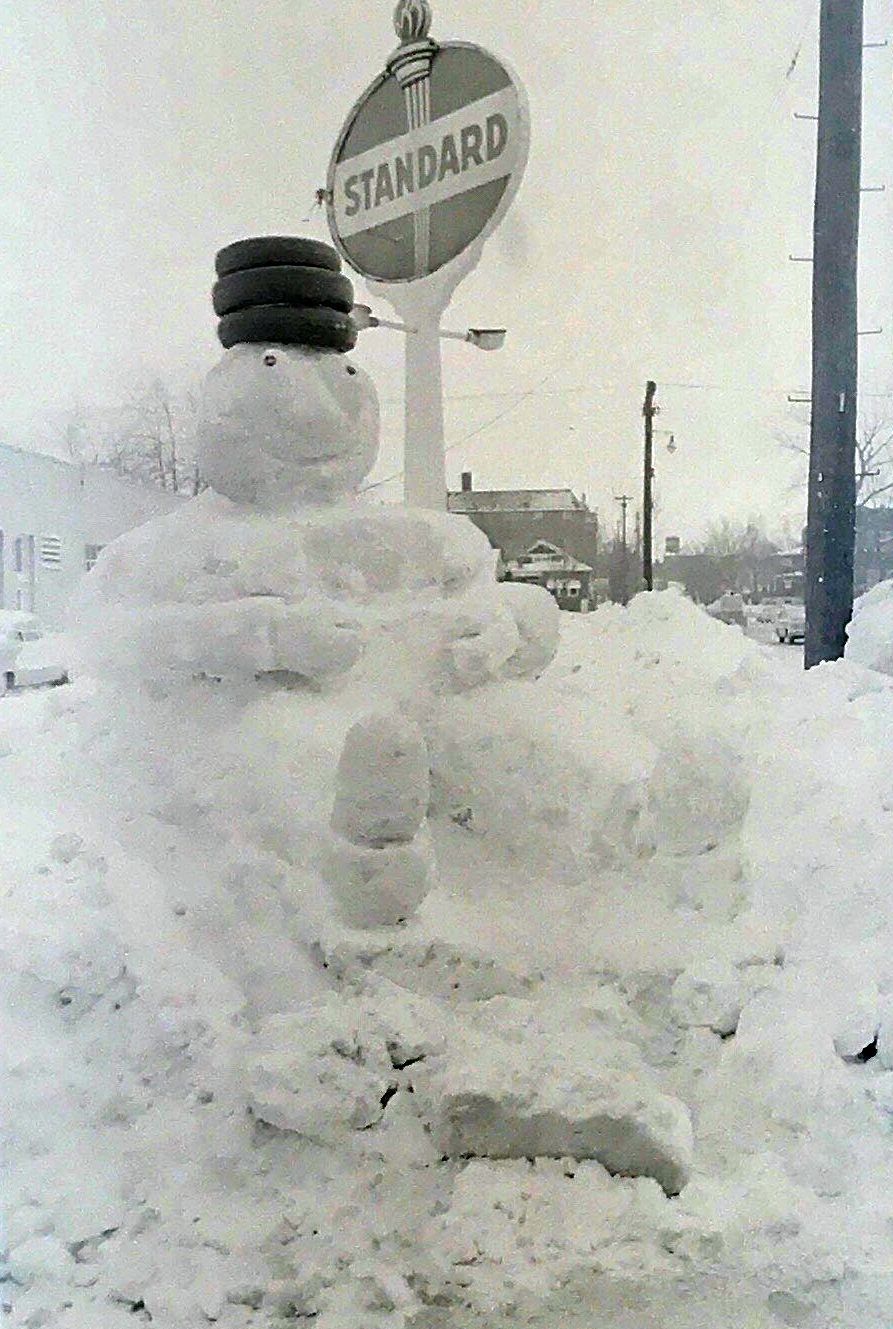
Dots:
pixel 474 146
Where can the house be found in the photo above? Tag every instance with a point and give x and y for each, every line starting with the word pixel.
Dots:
pixel 55 517
pixel 563 576
pixel 515 519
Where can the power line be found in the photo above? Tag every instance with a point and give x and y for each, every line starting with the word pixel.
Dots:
pixel 619 389
pixel 500 415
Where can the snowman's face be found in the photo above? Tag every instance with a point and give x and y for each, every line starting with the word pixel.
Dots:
pixel 280 424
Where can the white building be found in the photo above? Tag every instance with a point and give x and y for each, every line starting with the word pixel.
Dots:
pixel 54 519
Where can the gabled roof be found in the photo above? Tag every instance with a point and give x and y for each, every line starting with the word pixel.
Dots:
pixel 514 500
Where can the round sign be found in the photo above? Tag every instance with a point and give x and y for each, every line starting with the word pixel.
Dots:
pixel 428 161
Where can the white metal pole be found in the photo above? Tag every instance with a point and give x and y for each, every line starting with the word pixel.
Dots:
pixel 424 484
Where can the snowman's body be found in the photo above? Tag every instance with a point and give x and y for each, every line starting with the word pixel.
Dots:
pixel 279 578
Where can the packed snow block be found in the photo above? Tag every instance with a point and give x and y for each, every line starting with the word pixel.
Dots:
pixel 431 966
pixel 504 770
pixel 379 886
pixel 528 1092
pixel 481 644
pixel 315 1090
pixel 231 639
pixel 325 1070
pixel 314 642
pixel 709 994
pixel 382 783
pixel 538 620
pixel 697 794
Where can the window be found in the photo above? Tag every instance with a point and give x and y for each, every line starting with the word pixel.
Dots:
pixel 50 551
pixel 91 554
pixel 20 554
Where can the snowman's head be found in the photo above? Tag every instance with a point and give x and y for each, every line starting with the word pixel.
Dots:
pixel 285 424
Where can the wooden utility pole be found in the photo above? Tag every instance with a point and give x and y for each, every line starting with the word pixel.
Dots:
pixel 831 519
pixel 649 410
pixel 624 500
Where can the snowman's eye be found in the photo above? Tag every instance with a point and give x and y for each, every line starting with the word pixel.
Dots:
pixel 269 358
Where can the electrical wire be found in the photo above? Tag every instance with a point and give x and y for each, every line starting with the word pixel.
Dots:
pixel 459 442
pixel 582 389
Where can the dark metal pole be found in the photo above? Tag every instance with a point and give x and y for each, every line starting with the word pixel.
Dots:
pixel 649 410
pixel 830 527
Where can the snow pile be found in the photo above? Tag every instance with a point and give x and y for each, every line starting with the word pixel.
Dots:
pixel 870 633
pixel 364 965
pixel 627 1064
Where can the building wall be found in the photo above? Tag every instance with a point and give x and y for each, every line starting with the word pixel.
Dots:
pixel 50 513
pixel 512 533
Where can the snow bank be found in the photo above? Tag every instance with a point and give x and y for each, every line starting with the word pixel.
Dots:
pixel 870 633
pixel 627 1063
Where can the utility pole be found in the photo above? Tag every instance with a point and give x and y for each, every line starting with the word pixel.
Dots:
pixel 830 527
pixel 622 587
pixel 649 410
pixel 624 500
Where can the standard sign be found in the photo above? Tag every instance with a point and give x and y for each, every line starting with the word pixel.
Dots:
pixel 421 172
pixel 455 154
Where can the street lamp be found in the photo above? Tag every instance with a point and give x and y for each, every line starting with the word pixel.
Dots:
pixel 485 339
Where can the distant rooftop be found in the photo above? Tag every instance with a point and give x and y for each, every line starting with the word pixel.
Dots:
pixel 31 454
pixel 468 499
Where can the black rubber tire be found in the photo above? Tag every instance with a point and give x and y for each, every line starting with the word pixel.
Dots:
pixel 272 250
pixel 283 325
pixel 282 285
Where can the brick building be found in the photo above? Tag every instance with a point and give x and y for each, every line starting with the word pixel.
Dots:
pixel 514 520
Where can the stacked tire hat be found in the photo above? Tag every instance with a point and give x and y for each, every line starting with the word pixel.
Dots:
pixel 285 290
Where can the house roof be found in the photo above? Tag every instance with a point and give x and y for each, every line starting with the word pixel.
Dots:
pixel 514 500
pixel 544 559
pixel 37 456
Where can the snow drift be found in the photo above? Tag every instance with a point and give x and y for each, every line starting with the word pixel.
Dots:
pixel 629 1064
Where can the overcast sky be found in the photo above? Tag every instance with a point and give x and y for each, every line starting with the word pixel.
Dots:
pixel 668 183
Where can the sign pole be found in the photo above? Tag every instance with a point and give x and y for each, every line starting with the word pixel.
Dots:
pixel 420 306
pixel 424 467
pixel 424 483
pixel 423 171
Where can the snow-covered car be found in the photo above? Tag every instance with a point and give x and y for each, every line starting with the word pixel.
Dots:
pixel 790 622
pixel 729 608
pixel 28 657
pixel 765 612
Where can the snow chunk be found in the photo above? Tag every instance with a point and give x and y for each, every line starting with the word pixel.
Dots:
pixel 522 1089
pixel 382 784
pixel 325 1070
pixel 709 994
pixel 697 794
pixel 430 966
pixel 377 887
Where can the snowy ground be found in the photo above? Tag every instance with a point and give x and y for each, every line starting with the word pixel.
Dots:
pixel 663 895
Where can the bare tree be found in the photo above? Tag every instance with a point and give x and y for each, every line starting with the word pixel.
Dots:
pixel 874 458
pixel 150 437
pixel 874 461
pixel 730 539
pixel 743 547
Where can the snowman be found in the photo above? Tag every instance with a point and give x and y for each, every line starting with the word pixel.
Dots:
pixel 285 596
